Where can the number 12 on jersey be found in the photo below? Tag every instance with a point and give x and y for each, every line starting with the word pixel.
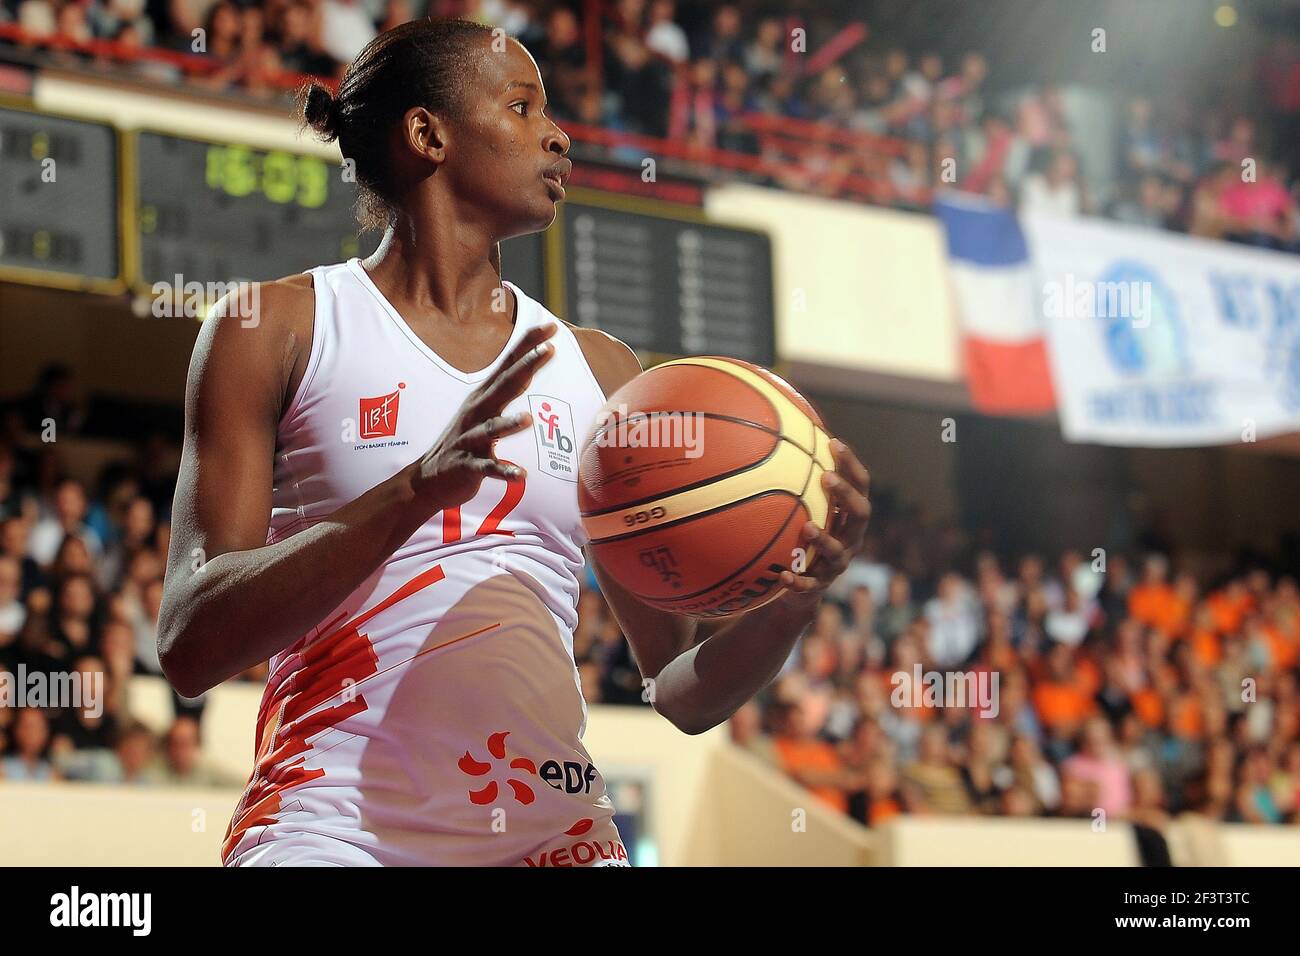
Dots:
pixel 492 523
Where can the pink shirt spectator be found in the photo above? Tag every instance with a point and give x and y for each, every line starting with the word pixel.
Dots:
pixel 1114 790
pixel 1266 198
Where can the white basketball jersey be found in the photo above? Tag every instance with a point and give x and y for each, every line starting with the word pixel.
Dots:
pixel 436 716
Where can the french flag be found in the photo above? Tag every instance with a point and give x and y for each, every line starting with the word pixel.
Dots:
pixel 1004 348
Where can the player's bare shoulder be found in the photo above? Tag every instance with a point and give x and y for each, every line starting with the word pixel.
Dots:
pixel 612 362
pixel 259 334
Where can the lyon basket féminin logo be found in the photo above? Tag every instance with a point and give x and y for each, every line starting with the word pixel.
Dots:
pixel 378 415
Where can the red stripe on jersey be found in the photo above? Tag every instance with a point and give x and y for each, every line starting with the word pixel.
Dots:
pixel 331 666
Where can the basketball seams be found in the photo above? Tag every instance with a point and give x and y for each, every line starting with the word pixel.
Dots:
pixel 677 599
pixel 772 474
pixel 789 415
pixel 694 515
pixel 716 416
pixel 712 479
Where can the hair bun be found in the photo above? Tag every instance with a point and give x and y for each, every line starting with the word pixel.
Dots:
pixel 320 110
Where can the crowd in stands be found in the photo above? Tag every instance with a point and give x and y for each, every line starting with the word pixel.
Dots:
pixel 1126 686
pixel 81 572
pixel 699 74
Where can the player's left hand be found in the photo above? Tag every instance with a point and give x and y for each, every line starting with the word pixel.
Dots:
pixel 834 547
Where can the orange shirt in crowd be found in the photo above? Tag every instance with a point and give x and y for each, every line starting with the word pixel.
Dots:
pixel 1226 611
pixel 1059 704
pixel 1155 605
pixel 1188 721
pixel 1206 647
pixel 1087 676
pixel 1175 618
pixel 1281 646
pixel 800 755
pixel 1148 706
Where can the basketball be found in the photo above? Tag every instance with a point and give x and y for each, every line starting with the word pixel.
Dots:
pixel 696 480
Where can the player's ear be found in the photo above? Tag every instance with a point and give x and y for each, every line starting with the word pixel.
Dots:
pixel 425 134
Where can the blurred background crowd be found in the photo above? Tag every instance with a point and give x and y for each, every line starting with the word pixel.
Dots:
pixel 835 109
pixel 1125 683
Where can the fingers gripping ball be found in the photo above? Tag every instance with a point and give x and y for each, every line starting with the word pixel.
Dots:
pixel 696 481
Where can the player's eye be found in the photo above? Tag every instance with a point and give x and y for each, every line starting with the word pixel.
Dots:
pixel 521 107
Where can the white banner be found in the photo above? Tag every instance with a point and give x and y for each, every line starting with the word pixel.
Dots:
pixel 1158 339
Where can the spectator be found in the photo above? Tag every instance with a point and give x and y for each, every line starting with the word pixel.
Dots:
pixel 937 785
pixel 137 757
pixel 765 55
pixel 298 49
pixel 345 28
pixel 1056 190
pixel 1033 775
pixel 1148 208
pixel 746 727
pixel 954 622
pixel 31 738
pixel 12 611
pixel 72 623
pixel 184 765
pixel 664 37
pixel 727 42
pixel 1098 763
pixel 812 762
pixel 66 518
pixel 109 19
pixel 135 535
pixel 37 18
pixel 1258 211
pixel 562 61
pixel 898 613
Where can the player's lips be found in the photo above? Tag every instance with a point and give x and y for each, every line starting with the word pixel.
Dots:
pixel 557 175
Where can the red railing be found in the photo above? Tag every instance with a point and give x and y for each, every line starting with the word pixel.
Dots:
pixel 189 64
pixel 796 153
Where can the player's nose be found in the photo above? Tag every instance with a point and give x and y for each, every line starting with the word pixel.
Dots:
pixel 555 139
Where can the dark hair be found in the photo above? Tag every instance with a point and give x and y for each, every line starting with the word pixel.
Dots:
pixel 420 63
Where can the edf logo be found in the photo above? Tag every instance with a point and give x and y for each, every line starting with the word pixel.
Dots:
pixel 569 777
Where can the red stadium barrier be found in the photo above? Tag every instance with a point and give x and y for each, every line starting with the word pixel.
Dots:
pixel 190 64
pixel 792 150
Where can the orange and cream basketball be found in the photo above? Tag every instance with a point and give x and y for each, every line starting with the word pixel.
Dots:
pixel 696 480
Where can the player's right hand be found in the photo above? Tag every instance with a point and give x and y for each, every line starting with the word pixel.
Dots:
pixel 450 473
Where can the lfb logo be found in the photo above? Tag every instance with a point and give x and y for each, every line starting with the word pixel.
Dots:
pixel 551 432
pixel 379 415
pixel 554 424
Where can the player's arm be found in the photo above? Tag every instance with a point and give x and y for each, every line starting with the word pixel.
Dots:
pixel 230 600
pixel 702 673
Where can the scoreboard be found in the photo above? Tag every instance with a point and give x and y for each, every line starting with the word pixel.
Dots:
pixel 223 211
pixel 672 286
pixel 59 200
pixel 84 205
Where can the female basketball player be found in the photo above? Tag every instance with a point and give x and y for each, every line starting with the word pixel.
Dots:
pixel 356 504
